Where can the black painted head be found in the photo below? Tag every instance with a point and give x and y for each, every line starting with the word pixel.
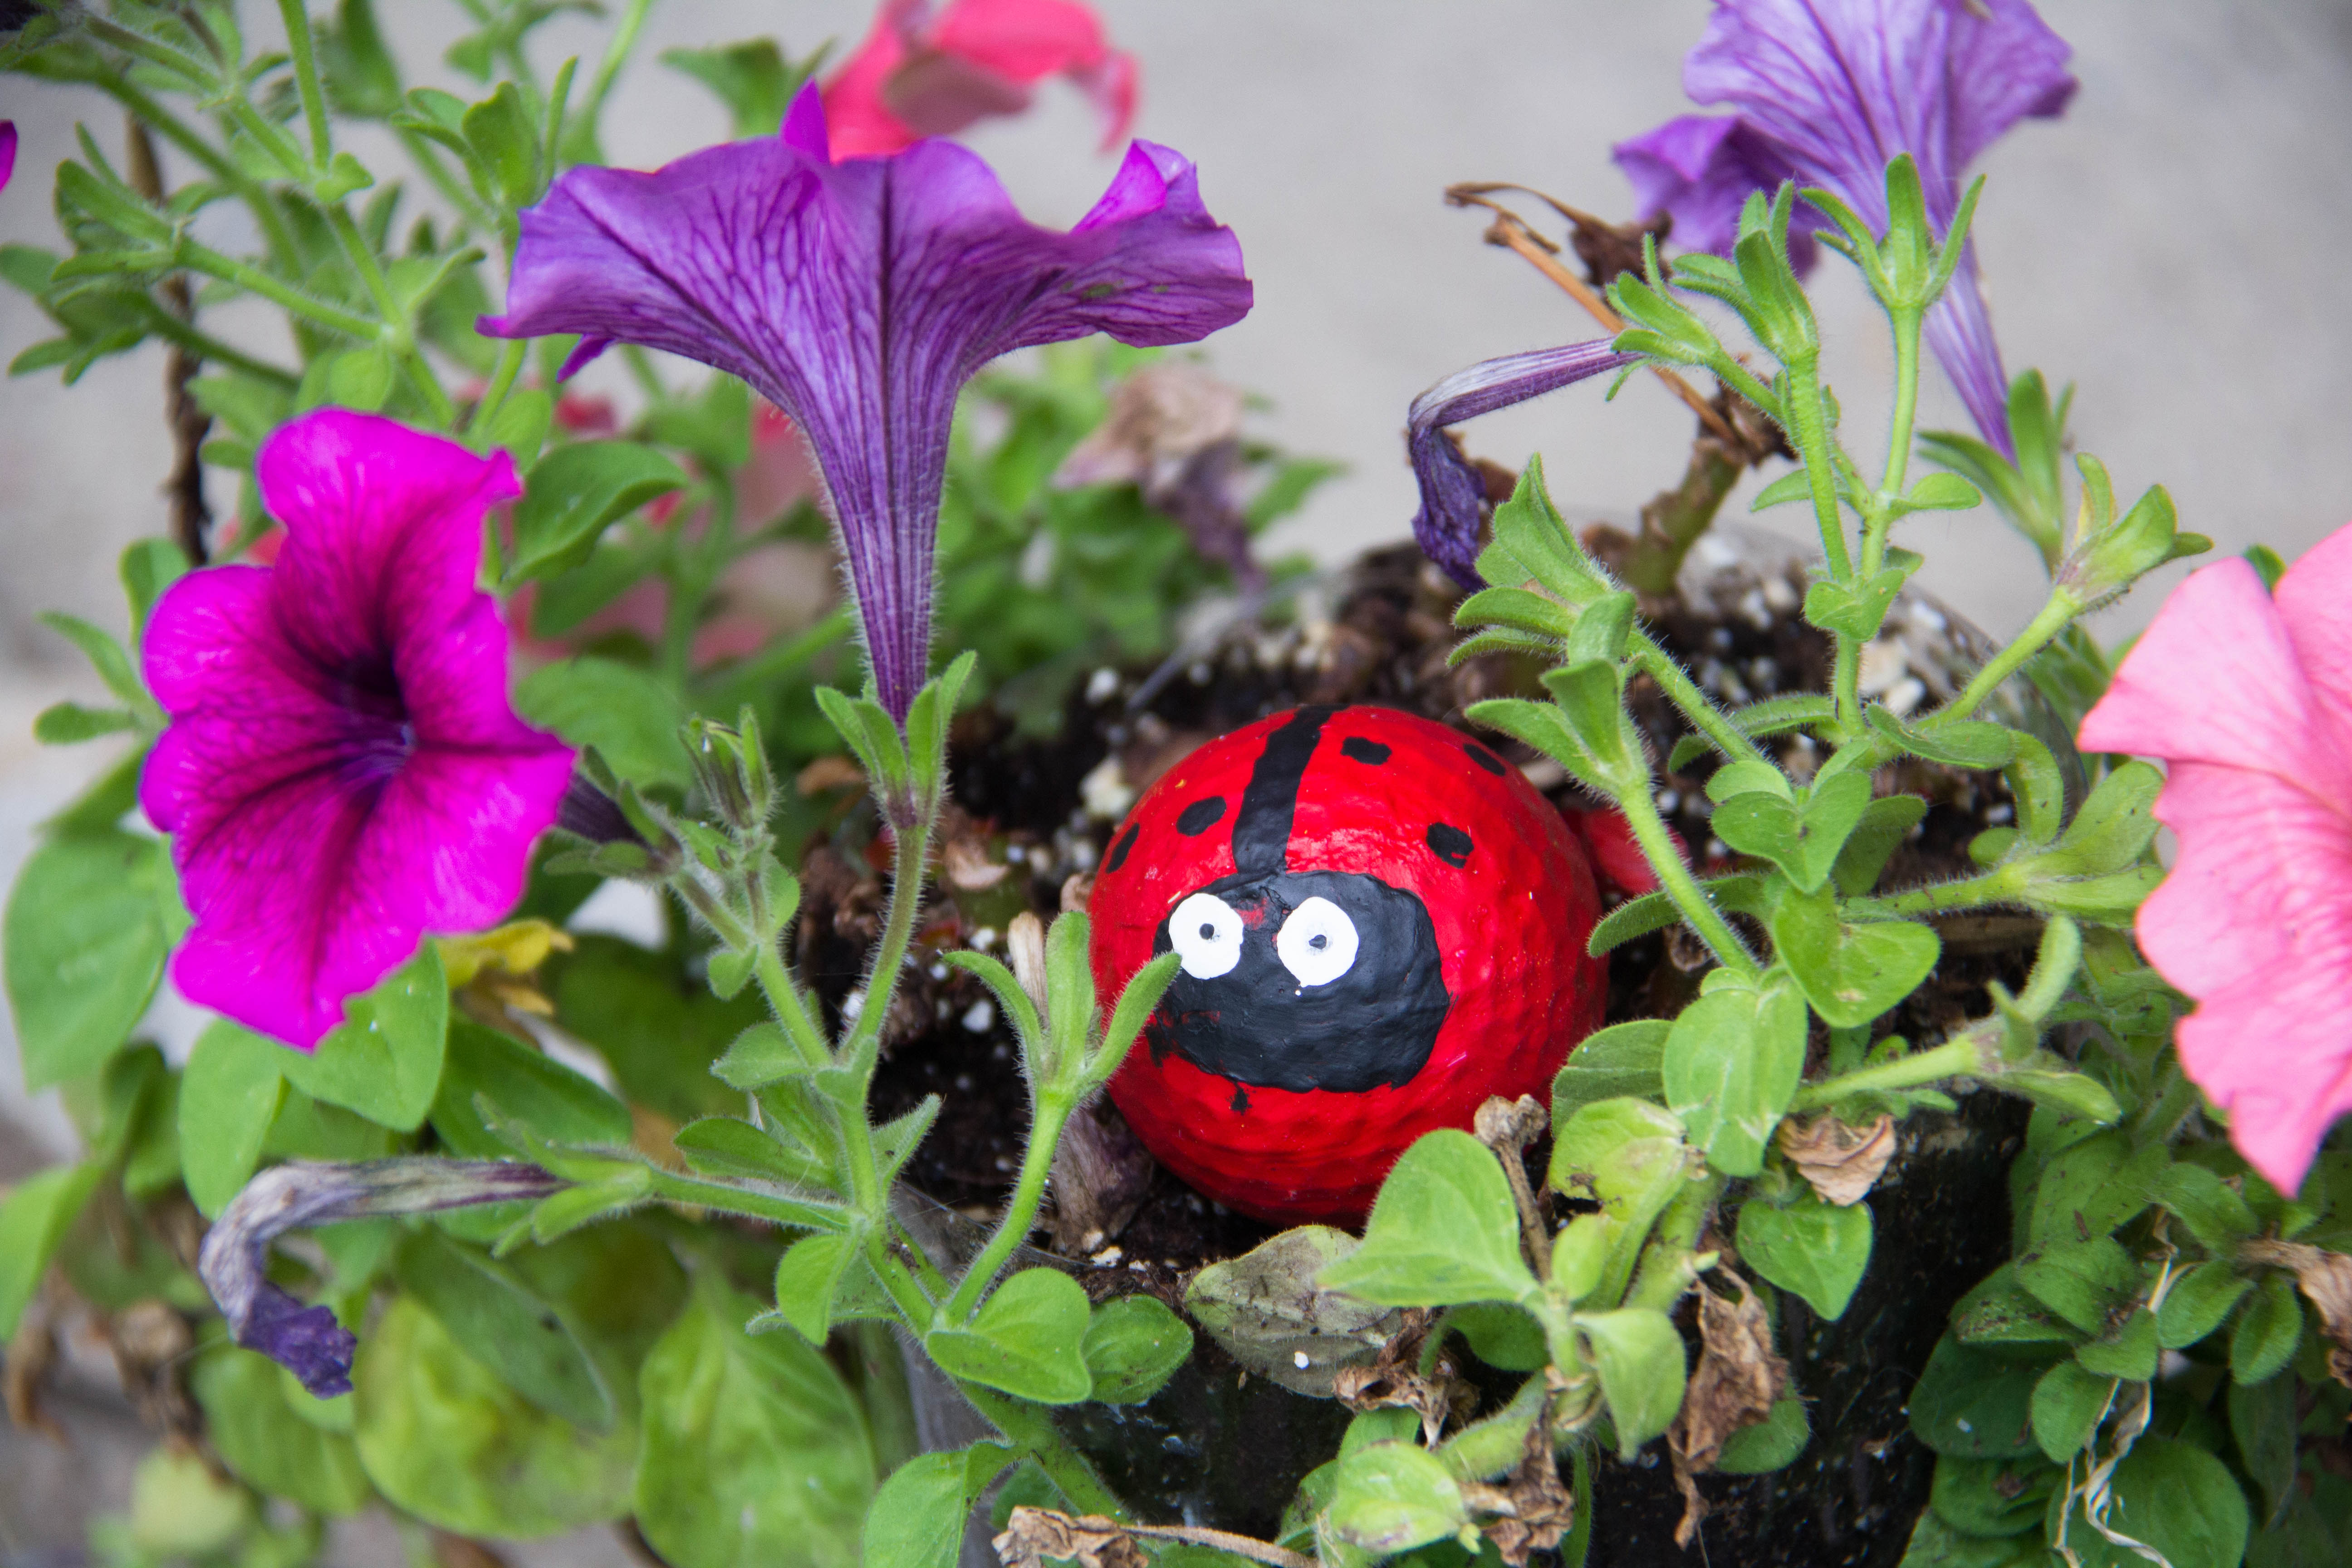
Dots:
pixel 1298 980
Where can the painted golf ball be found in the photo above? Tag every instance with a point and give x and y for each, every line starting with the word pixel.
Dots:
pixel 1380 923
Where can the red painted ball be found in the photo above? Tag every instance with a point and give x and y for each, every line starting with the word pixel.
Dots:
pixel 1382 924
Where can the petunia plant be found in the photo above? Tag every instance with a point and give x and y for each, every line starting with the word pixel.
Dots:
pixel 465 1205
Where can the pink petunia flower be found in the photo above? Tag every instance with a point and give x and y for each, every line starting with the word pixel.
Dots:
pixel 2247 698
pixel 342 773
pixel 922 72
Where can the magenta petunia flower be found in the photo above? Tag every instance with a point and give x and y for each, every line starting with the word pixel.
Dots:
pixel 8 151
pixel 1829 92
pixel 1452 493
pixel 925 72
pixel 859 297
pixel 342 773
pixel 2247 698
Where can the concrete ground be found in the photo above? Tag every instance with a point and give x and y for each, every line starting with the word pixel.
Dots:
pixel 2174 245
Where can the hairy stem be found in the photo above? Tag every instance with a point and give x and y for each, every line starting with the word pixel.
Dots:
pixel 1899 439
pixel 298 44
pixel 1998 887
pixel 254 280
pixel 1051 1113
pixel 494 397
pixel 1683 693
pixel 1030 1429
pixel 1675 881
pixel 2054 613
pixel 1955 1057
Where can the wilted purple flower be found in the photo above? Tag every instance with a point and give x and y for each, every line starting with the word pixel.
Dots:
pixel 1452 495
pixel 342 773
pixel 234 1261
pixel 859 297
pixel 1829 92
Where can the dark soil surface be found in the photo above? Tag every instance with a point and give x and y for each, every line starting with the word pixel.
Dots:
pixel 1035 815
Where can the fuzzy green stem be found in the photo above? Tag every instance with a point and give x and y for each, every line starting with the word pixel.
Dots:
pixel 1493 1444
pixel 1955 1058
pixel 1808 427
pixel 1683 693
pixel 1052 1113
pixel 1667 1265
pixel 912 845
pixel 727 1198
pixel 494 397
pixel 1030 1429
pixel 254 280
pixel 2060 608
pixel 1579 1535
pixel 298 44
pixel 427 157
pixel 204 346
pixel 1676 882
pixel 784 1001
pixel 616 54
pixel 1996 886
pixel 1899 439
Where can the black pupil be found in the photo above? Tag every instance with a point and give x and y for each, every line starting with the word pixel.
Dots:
pixel 1208 932
pixel 1318 941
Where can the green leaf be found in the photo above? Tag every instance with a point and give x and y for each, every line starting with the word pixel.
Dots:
pixel 1935 1544
pixel 573 493
pixel 1026 1340
pixel 761 1055
pixel 1803 839
pixel 1732 1063
pixel 628 716
pixel 1503 1337
pixel 2174 1498
pixel 505 145
pixel 520 427
pixel 385 1059
pixel 1267 1310
pixel 2114 827
pixel 1134 1345
pixel 755 1451
pixel 918 1519
pixel 1885 824
pixel 106 655
pixel 1639 1355
pixel 2084 1282
pixel 2267 1331
pixel 361 378
pixel 808 1277
pixel 1629 1156
pixel 510 1329
pixel 1856 610
pixel 1390 1497
pixel 251 1425
pixel 229 1095
pixel 1620 1060
pixel 1851 973
pixel 754 79
pixel 1657 911
pixel 2127 1349
pixel 1967 743
pixel 2068 1404
pixel 1443 1230
pixel 1816 1250
pixel 2212 1210
pixel 444 1438
pixel 1972 1404
pixel 70 723
pixel 34 1217
pixel 2001 1311
pixel 1942 492
pixel 1991 1497
pixel 85 942
pixel 2197 1302
pixel 730 1146
pixel 1772 1444
pixel 2263 1422
pixel 523 1087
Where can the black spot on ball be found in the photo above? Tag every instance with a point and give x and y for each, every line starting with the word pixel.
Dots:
pixel 1201 815
pixel 1240 1101
pixel 1449 843
pixel 1484 758
pixel 1118 850
pixel 1371 754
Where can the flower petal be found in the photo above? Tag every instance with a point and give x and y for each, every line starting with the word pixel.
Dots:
pixel 1452 495
pixel 2313 599
pixel 1700 170
pixel 2254 922
pixel 8 151
pixel 2214 679
pixel 859 297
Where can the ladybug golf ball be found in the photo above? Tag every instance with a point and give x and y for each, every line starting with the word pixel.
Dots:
pixel 1380 924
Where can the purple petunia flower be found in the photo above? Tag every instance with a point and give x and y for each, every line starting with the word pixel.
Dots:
pixel 859 297
pixel 1452 495
pixel 1829 92
pixel 342 773
pixel 307 1340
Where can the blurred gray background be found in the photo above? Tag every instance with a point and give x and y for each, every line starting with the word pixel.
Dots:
pixel 2175 246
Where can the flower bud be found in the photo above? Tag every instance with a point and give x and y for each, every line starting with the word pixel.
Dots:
pixel 732 766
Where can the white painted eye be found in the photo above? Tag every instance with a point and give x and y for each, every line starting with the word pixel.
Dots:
pixel 1207 935
pixel 1317 944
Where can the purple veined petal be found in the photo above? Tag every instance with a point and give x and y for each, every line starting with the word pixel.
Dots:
pixel 342 774
pixel 1959 332
pixel 859 297
pixel 235 1258
pixel 1700 170
pixel 1453 496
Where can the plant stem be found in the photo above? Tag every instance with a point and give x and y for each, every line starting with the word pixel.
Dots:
pixel 910 861
pixel 1955 1057
pixel 1683 693
pixel 254 280
pixel 2059 609
pixel 727 1198
pixel 1052 1112
pixel 1030 1429
pixel 616 54
pixel 1675 881
pixel 784 1001
pixel 296 17
pixel 1998 886
pixel 427 157
pixel 1906 406
pixel 204 346
pixel 494 397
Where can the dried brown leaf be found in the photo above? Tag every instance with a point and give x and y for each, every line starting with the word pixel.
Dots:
pixel 1841 1162
pixel 1383 1387
pixel 1035 1536
pixel 1739 1378
pixel 834 772
pixel 1541 1510
pixel 1102 1172
pixel 965 864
